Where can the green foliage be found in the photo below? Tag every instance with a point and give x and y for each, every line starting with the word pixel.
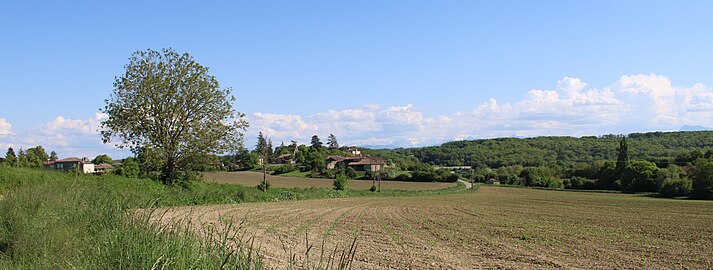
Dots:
pixel 315 161
pixel 315 143
pixel 169 109
pixel 340 182
pixel 622 157
pixel 264 186
pixel 540 177
pixel 578 182
pixel 332 142
pixel 702 177
pixel 53 156
pixel 129 168
pixel 675 188
pixel 287 168
pixel 103 159
pixel 640 176
pixel 35 157
pixel 554 151
pixel 10 157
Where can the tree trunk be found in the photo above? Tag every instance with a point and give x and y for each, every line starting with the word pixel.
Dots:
pixel 264 176
pixel 169 172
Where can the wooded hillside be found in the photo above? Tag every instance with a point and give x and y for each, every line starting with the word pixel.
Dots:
pixel 544 151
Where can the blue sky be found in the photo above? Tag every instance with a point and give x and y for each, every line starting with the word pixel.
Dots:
pixel 378 73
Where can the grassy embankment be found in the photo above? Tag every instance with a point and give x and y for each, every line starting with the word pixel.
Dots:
pixel 52 220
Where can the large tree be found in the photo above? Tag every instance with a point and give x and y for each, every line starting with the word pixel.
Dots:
pixel 332 142
pixel 103 159
pixel 36 155
pixel 622 157
pixel 315 143
pixel 169 107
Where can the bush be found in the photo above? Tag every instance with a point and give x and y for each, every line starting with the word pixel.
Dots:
pixel 577 182
pixel 540 177
pixel 340 183
pixel 675 188
pixel 284 169
pixel 264 186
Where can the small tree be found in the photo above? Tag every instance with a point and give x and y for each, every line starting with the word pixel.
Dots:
pixel 702 178
pixel 263 149
pixel 10 156
pixel 53 156
pixel 340 182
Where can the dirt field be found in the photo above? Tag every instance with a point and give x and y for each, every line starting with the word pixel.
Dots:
pixel 254 178
pixel 491 228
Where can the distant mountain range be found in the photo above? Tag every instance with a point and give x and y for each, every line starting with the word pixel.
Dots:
pixel 694 128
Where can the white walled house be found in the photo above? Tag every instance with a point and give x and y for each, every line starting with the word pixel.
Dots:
pixel 68 164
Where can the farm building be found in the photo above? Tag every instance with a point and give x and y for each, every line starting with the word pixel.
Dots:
pixel 368 164
pixel 103 168
pixel 72 163
pixel 284 159
pixel 492 181
pixel 359 163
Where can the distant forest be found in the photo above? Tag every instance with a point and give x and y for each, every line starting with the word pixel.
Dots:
pixel 658 147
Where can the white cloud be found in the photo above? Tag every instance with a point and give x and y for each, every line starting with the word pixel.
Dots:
pixel 5 127
pixel 632 103
pixel 88 126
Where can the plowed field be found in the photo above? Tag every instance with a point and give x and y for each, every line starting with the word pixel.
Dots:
pixel 254 178
pixel 491 228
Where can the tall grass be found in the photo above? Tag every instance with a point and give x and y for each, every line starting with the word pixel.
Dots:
pixel 51 220
pixel 61 221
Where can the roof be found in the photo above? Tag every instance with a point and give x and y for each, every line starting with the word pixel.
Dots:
pixel 335 158
pixel 368 161
pixel 103 166
pixel 285 156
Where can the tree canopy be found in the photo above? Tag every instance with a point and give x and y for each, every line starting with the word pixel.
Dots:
pixel 103 159
pixel 168 108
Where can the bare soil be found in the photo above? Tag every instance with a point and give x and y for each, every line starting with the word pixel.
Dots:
pixel 493 228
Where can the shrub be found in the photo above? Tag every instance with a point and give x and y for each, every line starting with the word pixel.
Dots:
pixel 284 169
pixel 577 182
pixel 340 182
pixel 264 186
pixel 675 188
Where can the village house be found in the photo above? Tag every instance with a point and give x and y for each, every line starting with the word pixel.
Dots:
pixel 354 151
pixel 492 181
pixel 103 168
pixel 359 163
pixel 285 159
pixel 68 164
